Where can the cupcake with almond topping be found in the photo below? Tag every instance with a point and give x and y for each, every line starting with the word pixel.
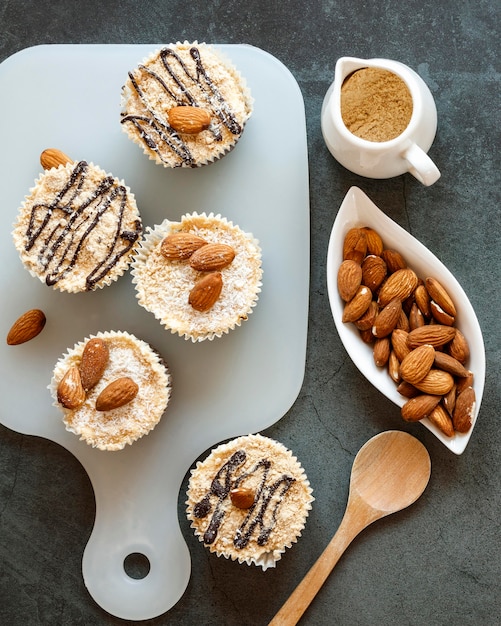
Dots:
pixel 200 277
pixel 249 500
pixel 78 227
pixel 185 105
pixel 112 388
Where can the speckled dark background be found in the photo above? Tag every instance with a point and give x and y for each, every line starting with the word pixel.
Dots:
pixel 434 563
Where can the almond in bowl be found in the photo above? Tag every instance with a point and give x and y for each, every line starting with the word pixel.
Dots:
pixel 416 338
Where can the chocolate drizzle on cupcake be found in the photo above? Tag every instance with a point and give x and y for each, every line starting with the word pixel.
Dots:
pixel 261 515
pixel 183 75
pixel 58 231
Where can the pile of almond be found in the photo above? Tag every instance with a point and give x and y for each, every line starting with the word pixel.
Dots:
pixel 209 258
pixel 79 380
pixel 410 322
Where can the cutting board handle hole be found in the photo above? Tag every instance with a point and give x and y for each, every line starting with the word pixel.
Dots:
pixel 137 565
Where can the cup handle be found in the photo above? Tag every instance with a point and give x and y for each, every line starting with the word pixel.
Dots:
pixel 421 166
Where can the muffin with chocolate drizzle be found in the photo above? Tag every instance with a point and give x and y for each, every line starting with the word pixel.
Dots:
pixel 112 388
pixel 200 277
pixel 78 227
pixel 185 105
pixel 249 500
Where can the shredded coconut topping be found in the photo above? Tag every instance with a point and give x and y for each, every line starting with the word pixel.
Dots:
pixel 178 75
pixel 112 430
pixel 163 286
pixel 286 510
pixel 77 228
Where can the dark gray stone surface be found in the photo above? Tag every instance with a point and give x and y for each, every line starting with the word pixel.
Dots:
pixel 434 563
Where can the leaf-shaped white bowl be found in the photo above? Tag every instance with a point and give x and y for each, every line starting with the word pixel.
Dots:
pixel 358 210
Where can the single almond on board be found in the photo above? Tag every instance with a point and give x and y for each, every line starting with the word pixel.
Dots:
pixel 212 257
pixel 416 365
pixel 400 285
pixel 442 420
pixel 70 392
pixel 436 382
pixel 358 305
pixel 462 418
pixel 118 393
pixel 53 158
pixel 189 120
pixel 349 279
pixel 418 407
pixel 180 246
pixel 242 498
pixel 26 327
pixel 439 294
pixel 95 357
pixel 206 292
pixel 434 334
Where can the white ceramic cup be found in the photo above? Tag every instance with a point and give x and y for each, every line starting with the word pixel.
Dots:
pixel 383 159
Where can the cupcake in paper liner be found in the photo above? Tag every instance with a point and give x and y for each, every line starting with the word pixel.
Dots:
pixel 185 105
pixel 200 277
pixel 249 500
pixel 78 228
pixel 113 389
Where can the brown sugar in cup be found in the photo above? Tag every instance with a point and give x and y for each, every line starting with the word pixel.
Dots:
pixel 91 403
pixel 376 104
pixel 166 286
pixel 78 228
pixel 186 105
pixel 249 500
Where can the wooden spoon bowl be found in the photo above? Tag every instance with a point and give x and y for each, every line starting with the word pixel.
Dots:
pixel 389 473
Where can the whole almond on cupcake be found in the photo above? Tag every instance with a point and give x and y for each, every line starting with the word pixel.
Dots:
pixel 112 388
pixel 249 500
pixel 78 226
pixel 200 277
pixel 186 105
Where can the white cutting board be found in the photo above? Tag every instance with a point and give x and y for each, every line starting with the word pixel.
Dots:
pixel 68 97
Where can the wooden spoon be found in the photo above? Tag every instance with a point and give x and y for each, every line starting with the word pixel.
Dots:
pixel 389 473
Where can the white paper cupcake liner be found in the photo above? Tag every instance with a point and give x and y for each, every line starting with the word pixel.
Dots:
pixel 113 430
pixel 162 286
pixel 75 279
pixel 149 128
pixel 292 505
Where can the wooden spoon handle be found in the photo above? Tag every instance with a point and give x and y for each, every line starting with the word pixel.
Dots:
pixel 358 515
